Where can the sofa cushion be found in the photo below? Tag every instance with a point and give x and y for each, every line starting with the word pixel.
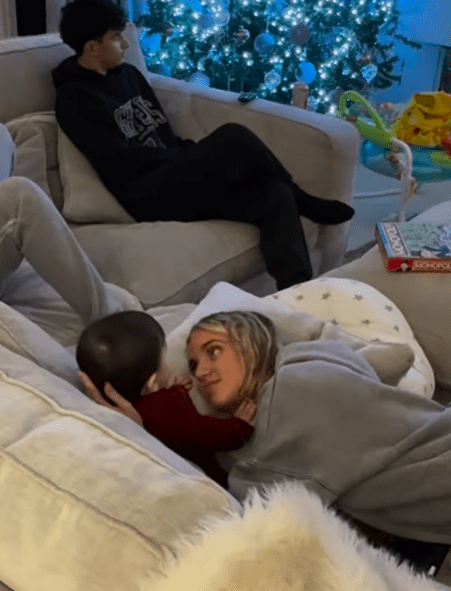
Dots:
pixel 423 298
pixel 88 499
pixel 7 152
pixel 35 136
pixel 86 199
pixel 164 263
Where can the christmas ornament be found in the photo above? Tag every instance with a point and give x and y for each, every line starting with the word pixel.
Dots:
pixel 272 80
pixel 206 21
pixel 200 79
pixel 162 69
pixel 264 44
pixel 150 42
pixel 300 34
pixel 222 18
pixel 369 72
pixel 306 72
pixel 241 36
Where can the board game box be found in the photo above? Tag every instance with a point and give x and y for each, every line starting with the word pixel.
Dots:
pixel 415 247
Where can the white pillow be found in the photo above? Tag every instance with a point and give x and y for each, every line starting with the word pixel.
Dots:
pixel 7 152
pixel 86 199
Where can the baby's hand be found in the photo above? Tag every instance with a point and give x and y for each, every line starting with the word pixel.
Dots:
pixel 246 412
pixel 185 381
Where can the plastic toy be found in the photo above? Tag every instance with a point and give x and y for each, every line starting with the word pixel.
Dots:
pixel 382 152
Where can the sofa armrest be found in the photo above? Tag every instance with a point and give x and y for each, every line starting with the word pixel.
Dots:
pixel 320 151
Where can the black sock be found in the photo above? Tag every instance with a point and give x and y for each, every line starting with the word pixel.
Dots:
pixel 321 211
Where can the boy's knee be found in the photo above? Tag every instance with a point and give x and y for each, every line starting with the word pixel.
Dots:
pixel 236 131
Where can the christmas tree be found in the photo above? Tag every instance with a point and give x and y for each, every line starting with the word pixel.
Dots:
pixel 265 46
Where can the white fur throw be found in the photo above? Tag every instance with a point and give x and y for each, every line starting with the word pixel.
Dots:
pixel 287 541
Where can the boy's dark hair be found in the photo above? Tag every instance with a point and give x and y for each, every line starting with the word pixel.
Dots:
pixel 123 349
pixel 85 20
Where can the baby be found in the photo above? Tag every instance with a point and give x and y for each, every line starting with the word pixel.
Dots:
pixel 127 350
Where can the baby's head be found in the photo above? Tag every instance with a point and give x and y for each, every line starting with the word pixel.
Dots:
pixel 125 349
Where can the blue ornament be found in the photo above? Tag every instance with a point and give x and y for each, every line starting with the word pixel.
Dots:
pixel 306 72
pixel 272 80
pixel 222 18
pixel 206 21
pixel 300 34
pixel 200 79
pixel 264 44
pixel 162 69
pixel 150 42
pixel 369 72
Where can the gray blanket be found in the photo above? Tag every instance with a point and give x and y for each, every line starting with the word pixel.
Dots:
pixel 382 453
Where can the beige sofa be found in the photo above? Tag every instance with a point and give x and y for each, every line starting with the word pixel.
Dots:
pixel 320 151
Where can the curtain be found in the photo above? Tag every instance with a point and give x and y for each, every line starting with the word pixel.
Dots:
pixel 8 20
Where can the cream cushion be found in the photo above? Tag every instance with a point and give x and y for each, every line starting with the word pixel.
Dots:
pixel 88 499
pixel 86 199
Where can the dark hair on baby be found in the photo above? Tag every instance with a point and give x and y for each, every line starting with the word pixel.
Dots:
pixel 85 20
pixel 124 349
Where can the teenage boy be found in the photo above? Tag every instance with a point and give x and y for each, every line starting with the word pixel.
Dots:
pixel 109 111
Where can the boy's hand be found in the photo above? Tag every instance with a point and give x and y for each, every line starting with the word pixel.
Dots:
pixel 246 412
pixel 120 403
pixel 185 381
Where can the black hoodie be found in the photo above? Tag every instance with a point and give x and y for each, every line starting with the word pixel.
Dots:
pixel 115 120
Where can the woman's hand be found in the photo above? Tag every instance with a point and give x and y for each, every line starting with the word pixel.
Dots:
pixel 246 412
pixel 120 403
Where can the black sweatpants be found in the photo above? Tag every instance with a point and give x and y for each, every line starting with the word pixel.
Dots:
pixel 230 175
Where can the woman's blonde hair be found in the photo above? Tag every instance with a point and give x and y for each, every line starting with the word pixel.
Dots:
pixel 253 336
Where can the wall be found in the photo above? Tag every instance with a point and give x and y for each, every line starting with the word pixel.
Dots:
pixel 427 22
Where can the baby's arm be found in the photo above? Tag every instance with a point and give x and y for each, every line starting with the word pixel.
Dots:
pixel 171 416
pixel 246 412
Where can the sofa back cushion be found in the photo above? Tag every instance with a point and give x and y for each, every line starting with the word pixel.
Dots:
pixel 25 70
pixel 88 499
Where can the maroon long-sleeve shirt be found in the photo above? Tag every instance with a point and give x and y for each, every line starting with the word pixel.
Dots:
pixel 171 416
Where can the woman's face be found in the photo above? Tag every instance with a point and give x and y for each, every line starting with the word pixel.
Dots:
pixel 218 368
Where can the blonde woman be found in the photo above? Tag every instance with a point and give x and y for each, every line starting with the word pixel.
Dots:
pixel 378 453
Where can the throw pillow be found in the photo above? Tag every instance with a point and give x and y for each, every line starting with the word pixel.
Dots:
pixel 7 152
pixel 86 199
